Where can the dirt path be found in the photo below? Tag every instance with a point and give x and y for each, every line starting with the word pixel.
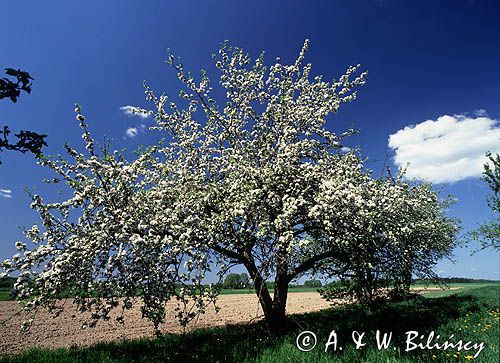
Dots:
pixel 64 330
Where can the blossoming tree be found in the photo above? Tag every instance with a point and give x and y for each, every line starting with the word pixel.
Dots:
pixel 488 234
pixel 396 230
pixel 257 180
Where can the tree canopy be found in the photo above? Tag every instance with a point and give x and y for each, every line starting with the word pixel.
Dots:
pixel 313 283
pixel 488 233
pixel 236 281
pixel 256 180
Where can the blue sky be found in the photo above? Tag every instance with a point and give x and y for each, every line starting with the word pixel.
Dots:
pixel 426 60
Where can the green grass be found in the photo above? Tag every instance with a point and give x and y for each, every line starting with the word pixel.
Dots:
pixel 4 294
pixel 465 287
pixel 444 292
pixel 252 291
pixel 465 284
pixel 459 313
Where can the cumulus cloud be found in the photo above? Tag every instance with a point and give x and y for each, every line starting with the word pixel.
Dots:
pixel 6 193
pixel 135 111
pixel 448 149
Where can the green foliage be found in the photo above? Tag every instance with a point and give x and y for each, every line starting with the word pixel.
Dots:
pixel 6 285
pixel 359 288
pixel 236 281
pixel 488 234
pixel 5 294
pixel 341 289
pixel 7 282
pixel 270 285
pixel 245 279
pixel 312 283
pixel 492 178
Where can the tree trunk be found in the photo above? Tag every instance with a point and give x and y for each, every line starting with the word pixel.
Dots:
pixel 407 276
pixel 280 299
pixel 274 310
pixel 369 285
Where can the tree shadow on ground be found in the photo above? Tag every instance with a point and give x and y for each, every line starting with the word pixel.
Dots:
pixel 239 343
pixel 419 314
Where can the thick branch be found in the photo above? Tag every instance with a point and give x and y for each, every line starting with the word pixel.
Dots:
pixel 312 261
pixel 228 253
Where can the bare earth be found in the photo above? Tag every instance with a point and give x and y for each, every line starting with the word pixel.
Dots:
pixel 64 331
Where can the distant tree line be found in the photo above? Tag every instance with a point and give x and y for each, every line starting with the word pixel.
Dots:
pixel 7 282
pixel 452 280
pixel 312 283
pixel 236 281
pixel 243 281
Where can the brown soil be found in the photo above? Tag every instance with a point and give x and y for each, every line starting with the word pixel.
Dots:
pixel 64 331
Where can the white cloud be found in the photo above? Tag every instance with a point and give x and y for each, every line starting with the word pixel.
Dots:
pixel 134 131
pixel 6 193
pixel 345 149
pixel 448 149
pixel 131 132
pixel 480 112
pixel 135 111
